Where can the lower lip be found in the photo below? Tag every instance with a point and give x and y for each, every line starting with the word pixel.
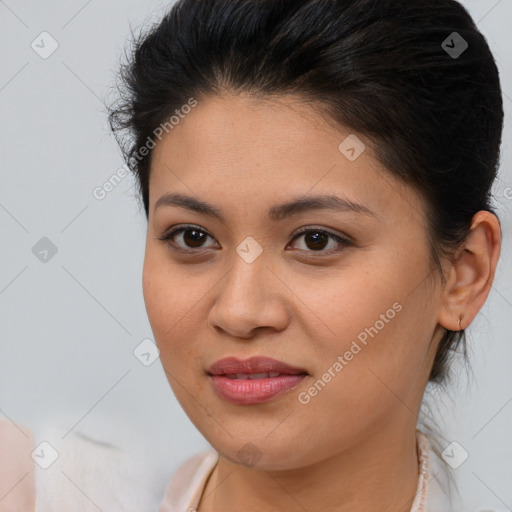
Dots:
pixel 253 391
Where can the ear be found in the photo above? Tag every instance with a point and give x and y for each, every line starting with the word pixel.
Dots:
pixel 471 274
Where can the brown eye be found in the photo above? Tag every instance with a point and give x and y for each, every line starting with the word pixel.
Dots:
pixel 316 240
pixel 186 237
pixel 194 237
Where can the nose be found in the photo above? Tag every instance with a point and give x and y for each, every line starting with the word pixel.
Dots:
pixel 250 299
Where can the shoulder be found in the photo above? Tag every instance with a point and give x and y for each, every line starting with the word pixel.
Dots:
pixel 188 480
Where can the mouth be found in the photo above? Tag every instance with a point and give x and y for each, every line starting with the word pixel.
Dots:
pixel 253 366
pixel 253 381
pixel 253 376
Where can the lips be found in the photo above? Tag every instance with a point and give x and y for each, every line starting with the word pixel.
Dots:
pixel 253 368
pixel 253 381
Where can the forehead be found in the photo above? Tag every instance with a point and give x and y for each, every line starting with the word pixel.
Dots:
pixel 244 149
pixel 276 128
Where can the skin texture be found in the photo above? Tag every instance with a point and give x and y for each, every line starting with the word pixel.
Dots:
pixel 353 446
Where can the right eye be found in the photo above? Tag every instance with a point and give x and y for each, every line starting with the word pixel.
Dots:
pixel 192 237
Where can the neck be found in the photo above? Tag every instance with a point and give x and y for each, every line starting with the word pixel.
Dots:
pixel 378 473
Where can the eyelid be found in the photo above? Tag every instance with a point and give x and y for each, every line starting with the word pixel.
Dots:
pixel 307 229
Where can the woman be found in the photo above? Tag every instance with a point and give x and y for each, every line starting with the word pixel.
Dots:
pixel 316 176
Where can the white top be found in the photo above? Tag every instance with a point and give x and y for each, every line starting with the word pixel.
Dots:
pixel 97 466
pixel 187 484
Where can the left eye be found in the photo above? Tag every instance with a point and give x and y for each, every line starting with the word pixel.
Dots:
pixel 315 240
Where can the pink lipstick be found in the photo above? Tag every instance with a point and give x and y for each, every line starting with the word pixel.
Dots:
pixel 253 381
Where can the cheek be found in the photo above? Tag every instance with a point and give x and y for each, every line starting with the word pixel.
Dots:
pixel 170 313
pixel 339 306
pixel 373 336
pixel 163 296
pixel 156 297
pixel 175 305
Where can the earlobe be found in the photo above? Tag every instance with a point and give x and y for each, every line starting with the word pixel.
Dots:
pixel 472 273
pixel 461 317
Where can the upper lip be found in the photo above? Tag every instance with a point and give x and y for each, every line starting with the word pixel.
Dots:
pixel 256 364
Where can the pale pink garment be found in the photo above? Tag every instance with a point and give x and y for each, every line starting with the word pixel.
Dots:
pixel 17 475
pixel 187 484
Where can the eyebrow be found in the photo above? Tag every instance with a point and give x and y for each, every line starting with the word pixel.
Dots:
pixel 275 213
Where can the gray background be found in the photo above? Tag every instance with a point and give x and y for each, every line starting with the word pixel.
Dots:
pixel 69 325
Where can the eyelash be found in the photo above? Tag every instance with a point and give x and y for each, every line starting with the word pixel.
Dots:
pixel 167 237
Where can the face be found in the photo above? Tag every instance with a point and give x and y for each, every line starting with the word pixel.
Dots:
pixel 351 303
